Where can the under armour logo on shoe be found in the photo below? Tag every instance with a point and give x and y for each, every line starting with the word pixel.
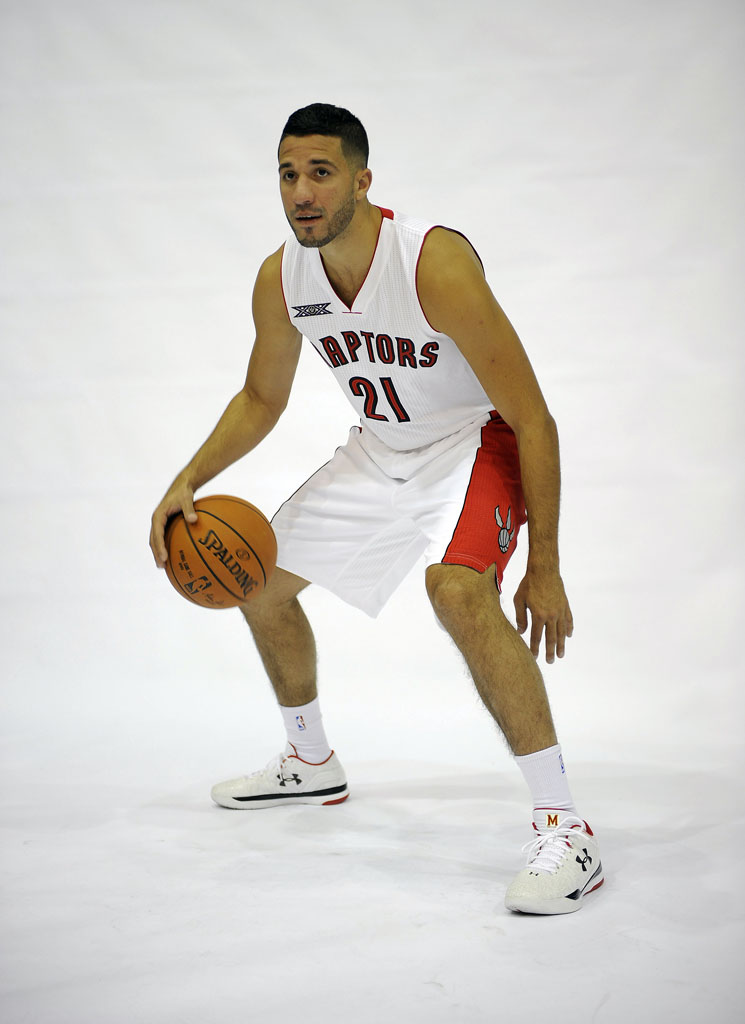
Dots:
pixel 284 779
pixel 584 861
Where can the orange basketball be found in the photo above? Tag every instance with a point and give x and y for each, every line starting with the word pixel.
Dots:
pixel 224 559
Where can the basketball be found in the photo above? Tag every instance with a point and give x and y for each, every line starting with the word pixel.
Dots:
pixel 224 559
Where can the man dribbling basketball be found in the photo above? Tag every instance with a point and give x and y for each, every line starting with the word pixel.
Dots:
pixel 401 313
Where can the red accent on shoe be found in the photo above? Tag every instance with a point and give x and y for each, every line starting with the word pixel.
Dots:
pixel 315 764
pixel 328 803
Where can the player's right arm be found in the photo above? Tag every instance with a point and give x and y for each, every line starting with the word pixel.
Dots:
pixel 252 413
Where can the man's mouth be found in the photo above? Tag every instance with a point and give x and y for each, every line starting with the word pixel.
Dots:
pixel 307 218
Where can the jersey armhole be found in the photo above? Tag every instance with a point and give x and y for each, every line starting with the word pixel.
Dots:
pixel 282 281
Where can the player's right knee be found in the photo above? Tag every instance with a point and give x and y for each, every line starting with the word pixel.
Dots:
pixel 280 591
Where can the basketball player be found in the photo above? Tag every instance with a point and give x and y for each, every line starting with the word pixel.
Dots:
pixel 454 443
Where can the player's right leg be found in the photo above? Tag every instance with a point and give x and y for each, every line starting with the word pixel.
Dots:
pixel 340 530
pixel 284 638
pixel 307 771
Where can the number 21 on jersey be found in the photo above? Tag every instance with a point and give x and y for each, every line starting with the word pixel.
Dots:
pixel 361 387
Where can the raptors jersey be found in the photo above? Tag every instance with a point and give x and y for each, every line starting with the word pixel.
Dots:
pixel 409 384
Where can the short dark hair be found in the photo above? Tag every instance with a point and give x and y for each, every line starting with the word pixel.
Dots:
pixel 326 119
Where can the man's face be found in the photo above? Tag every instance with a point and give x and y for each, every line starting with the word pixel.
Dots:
pixel 318 188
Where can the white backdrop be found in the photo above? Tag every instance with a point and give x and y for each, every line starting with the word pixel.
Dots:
pixel 592 152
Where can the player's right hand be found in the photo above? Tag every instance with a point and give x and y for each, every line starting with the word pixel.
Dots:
pixel 178 498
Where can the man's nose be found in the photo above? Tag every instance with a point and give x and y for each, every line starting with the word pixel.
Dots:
pixel 303 191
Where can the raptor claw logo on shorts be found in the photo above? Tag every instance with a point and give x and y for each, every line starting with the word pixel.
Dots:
pixel 505 537
pixel 314 309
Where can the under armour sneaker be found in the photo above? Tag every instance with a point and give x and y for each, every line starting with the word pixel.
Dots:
pixel 287 779
pixel 563 867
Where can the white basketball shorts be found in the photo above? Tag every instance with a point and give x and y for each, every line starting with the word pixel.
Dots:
pixel 362 521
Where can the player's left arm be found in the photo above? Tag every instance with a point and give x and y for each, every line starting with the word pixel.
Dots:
pixel 457 301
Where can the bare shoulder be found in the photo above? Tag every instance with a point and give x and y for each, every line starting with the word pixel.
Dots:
pixel 449 273
pixel 269 277
pixel 269 309
pixel 445 253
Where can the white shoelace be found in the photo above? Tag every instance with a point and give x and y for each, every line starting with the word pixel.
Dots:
pixel 547 851
pixel 273 767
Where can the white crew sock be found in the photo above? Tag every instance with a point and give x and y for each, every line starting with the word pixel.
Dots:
pixel 305 732
pixel 547 780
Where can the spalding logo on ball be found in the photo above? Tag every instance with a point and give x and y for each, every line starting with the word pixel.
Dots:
pixel 224 559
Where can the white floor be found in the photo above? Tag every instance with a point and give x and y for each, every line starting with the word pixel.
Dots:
pixel 129 901
pixel 593 153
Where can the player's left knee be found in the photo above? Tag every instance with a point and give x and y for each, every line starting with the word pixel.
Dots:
pixel 454 592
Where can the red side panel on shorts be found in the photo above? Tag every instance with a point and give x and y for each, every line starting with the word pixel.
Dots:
pixel 494 507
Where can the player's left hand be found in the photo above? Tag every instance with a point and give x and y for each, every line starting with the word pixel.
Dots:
pixel 543 594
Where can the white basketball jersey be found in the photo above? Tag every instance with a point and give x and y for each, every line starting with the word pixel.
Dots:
pixel 409 384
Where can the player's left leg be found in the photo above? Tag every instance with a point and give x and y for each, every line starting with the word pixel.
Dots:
pixel 504 671
pixel 563 862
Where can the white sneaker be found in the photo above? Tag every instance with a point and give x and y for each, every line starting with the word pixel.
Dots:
pixel 287 779
pixel 563 867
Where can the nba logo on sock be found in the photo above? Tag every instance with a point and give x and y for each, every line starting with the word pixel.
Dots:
pixel 300 723
pixel 561 762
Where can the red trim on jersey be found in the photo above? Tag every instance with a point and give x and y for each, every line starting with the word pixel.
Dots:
pixel 495 483
pixel 416 270
pixel 348 308
pixel 282 283
pixel 388 214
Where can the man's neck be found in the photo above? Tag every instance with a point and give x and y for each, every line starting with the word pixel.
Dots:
pixel 347 259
